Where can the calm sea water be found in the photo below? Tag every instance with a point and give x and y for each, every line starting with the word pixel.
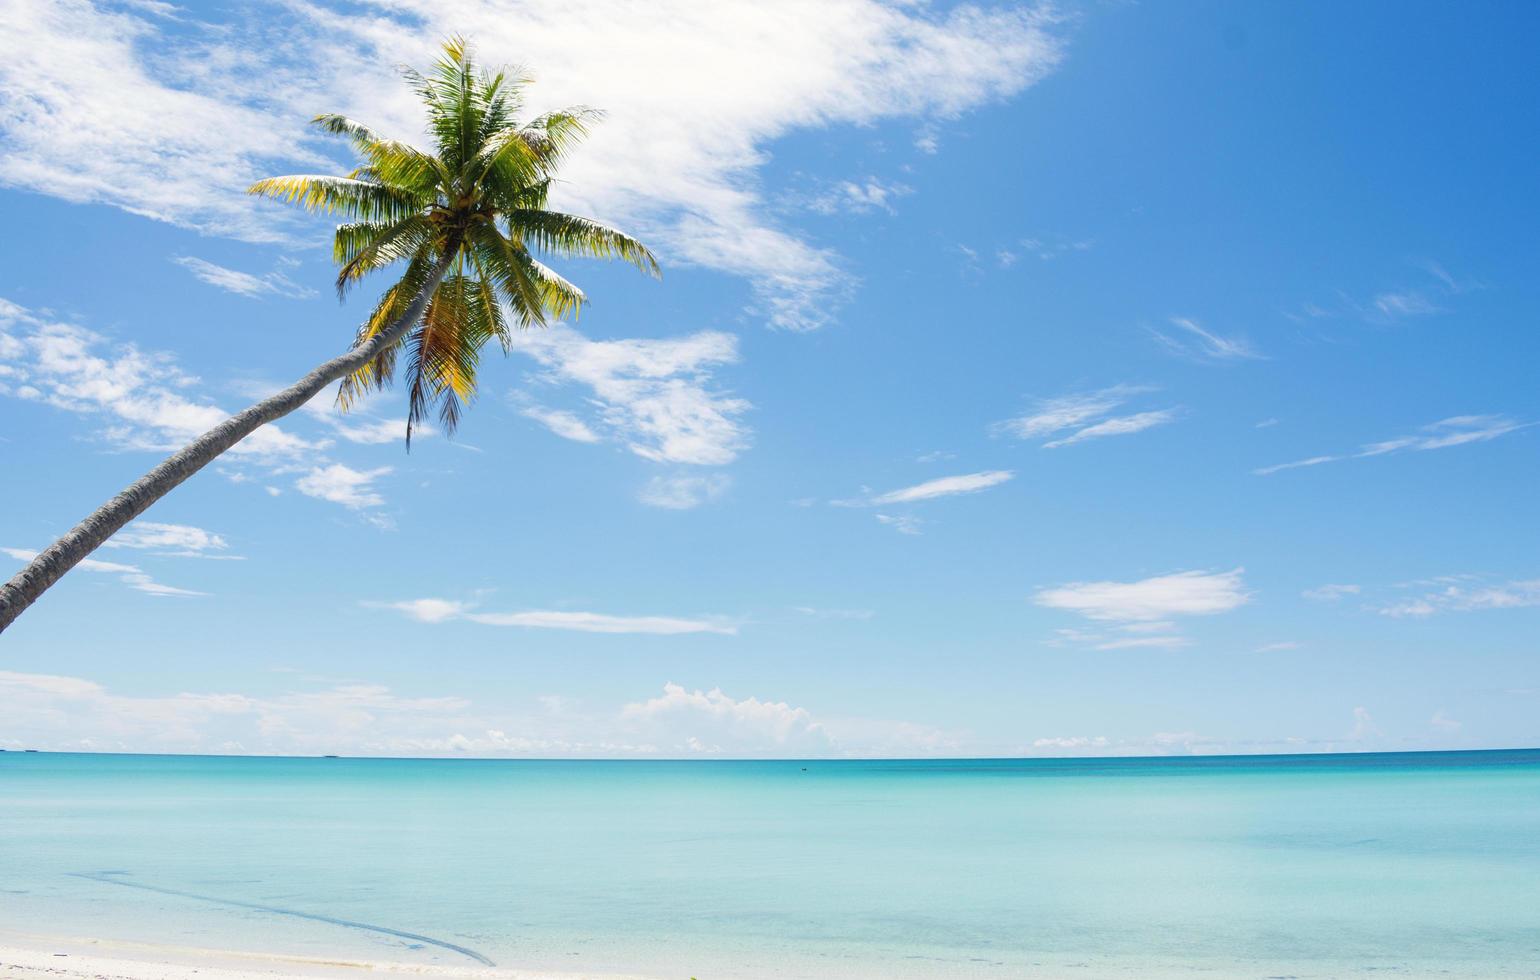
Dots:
pixel 1407 864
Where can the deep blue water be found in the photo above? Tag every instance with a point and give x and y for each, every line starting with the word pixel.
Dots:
pixel 1416 864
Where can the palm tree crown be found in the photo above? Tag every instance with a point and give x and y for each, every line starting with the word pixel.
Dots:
pixel 473 212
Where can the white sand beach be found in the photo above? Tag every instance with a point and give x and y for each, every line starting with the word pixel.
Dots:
pixel 35 957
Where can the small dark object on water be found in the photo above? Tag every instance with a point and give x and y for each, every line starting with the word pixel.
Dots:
pixel 328 757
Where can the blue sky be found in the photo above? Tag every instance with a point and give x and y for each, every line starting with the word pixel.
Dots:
pixel 1104 379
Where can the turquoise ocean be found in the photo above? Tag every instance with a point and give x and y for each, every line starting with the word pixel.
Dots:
pixel 1406 865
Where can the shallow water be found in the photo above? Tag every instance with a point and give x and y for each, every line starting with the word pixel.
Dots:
pixel 1305 866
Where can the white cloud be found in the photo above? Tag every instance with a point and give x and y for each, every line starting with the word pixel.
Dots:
pixel 75 714
pixel 656 396
pixel 112 107
pixel 1066 412
pixel 1155 635
pixel 182 540
pixel 1119 426
pixel 564 424
pixel 343 485
pixel 1071 742
pixel 1443 722
pixel 1193 340
pixel 1331 593
pixel 1278 647
pixel 683 492
pixel 1156 744
pixel 1088 414
pixel 1458 430
pixel 1363 726
pixel 1466 598
pixel 140 396
pixel 132 576
pixel 902 523
pixel 945 486
pixel 1398 305
pixel 1179 594
pixel 819 613
pixel 714 721
pixel 374 432
pixel 430 610
pixel 445 610
pixel 244 283
pixel 859 196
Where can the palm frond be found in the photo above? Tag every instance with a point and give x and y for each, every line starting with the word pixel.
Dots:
pixel 476 204
pixel 358 199
pixel 569 235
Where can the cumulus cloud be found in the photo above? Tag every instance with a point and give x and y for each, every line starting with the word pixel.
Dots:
pixel 357 718
pixel 1079 417
pixel 112 106
pixel 1458 430
pixel 444 610
pixel 712 723
pixel 343 485
pixel 657 397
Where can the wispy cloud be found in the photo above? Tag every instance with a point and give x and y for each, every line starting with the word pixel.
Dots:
pixel 1084 416
pixel 681 492
pixel 244 283
pixel 1331 593
pixel 117 107
pixel 1193 340
pixel 132 576
pixel 1396 306
pixel 1519 594
pixel 445 610
pixel 1119 426
pixel 142 397
pixel 562 423
pixel 1459 430
pixel 902 523
pixel 1277 647
pixel 859 196
pixel 1426 297
pixel 657 397
pixel 945 486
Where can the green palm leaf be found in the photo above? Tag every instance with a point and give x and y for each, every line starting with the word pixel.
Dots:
pixel 477 201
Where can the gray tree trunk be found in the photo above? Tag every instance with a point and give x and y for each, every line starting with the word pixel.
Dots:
pixel 47 568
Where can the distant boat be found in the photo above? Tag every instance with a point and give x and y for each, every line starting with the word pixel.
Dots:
pixel 31 750
pixel 328 757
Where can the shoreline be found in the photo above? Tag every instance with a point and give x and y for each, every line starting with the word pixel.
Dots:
pixel 28 956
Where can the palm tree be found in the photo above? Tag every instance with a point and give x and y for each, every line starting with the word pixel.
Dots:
pixel 465 220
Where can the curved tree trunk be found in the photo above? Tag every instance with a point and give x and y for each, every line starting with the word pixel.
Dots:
pixel 65 553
